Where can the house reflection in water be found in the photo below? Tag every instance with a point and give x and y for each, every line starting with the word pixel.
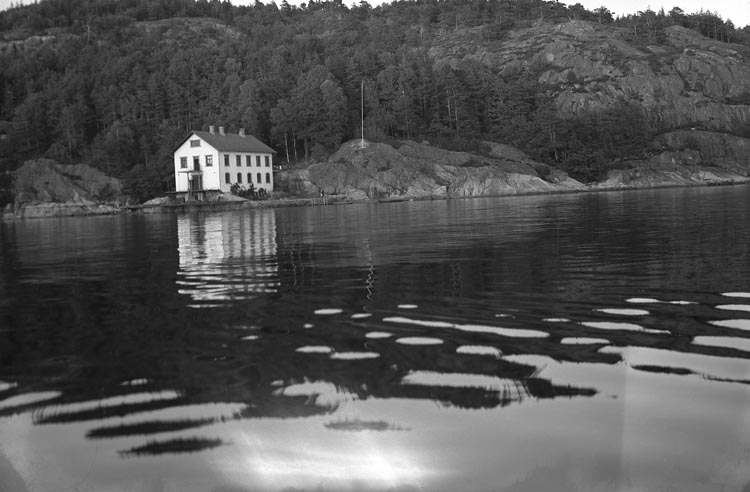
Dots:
pixel 227 257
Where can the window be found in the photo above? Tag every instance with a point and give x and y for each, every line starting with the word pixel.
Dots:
pixel 238 158
pixel 195 143
pixel 226 162
pixel 196 163
pixel 248 162
pixel 259 181
pixel 227 179
pixel 268 161
pixel 239 177
pixel 209 160
pixel 183 162
pixel 249 178
pixel 268 177
pixel 257 160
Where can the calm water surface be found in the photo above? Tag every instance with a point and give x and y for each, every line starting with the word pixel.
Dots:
pixel 595 342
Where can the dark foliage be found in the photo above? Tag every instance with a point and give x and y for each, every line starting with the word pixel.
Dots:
pixel 117 84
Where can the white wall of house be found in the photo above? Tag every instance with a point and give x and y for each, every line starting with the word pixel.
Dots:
pixel 222 173
pixel 261 176
pixel 208 159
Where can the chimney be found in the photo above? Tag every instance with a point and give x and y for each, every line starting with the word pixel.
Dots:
pixel 221 131
pixel 212 129
pixel 242 132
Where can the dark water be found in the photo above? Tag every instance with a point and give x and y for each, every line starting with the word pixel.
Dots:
pixel 595 342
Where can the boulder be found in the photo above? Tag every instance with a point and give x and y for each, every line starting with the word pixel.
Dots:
pixel 46 181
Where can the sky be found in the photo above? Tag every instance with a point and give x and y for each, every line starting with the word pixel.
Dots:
pixel 738 11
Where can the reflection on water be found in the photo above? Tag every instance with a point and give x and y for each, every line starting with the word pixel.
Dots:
pixel 582 342
pixel 227 257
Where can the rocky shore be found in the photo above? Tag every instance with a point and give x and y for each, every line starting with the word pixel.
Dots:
pixel 381 172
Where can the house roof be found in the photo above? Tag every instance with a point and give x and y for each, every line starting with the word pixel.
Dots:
pixel 232 142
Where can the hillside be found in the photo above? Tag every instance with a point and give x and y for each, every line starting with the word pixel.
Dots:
pixel 116 84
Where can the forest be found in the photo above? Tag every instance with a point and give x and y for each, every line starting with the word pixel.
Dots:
pixel 118 84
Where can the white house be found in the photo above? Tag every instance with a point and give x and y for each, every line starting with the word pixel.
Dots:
pixel 214 161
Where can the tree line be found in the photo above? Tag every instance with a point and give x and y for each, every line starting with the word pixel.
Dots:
pixel 117 84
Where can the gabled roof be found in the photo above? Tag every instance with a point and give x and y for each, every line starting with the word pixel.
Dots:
pixel 232 142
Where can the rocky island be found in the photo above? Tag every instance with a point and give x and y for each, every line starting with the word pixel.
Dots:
pixel 559 100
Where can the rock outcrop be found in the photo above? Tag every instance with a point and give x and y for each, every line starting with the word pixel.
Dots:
pixel 418 170
pixel 694 91
pixel 44 188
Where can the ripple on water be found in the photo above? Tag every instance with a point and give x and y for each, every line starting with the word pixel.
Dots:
pixel 29 399
pixel 642 300
pixel 419 341
pixel 354 355
pixel 494 330
pixel 463 380
pixel 6 386
pixel 307 326
pixel 315 349
pixel 321 393
pixel 734 307
pixel 361 315
pixel 737 294
pixel 479 350
pixel 682 303
pixel 328 311
pixel 250 338
pixel 379 334
pixel 623 312
pixel 407 306
pixel 613 325
pixel 134 382
pixel 708 365
pixel 724 342
pixel 556 320
pixel 583 341
pixel 737 324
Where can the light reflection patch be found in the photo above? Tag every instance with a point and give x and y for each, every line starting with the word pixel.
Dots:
pixel 494 330
pixel 354 355
pixel 29 399
pixel 724 342
pixel 737 294
pixel 419 341
pixel 556 320
pixel 613 325
pixel 734 307
pixel 737 324
pixel 379 334
pixel 328 311
pixel 479 350
pixel 511 387
pixel 642 300
pixel 135 382
pixel 322 393
pixel 361 315
pixel 364 463
pixel 315 349
pixel 623 312
pixel 6 386
pixel 407 306
pixel 583 341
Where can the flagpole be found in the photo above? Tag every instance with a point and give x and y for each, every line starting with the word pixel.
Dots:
pixel 362 110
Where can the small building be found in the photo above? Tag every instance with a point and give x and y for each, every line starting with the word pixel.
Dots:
pixel 210 162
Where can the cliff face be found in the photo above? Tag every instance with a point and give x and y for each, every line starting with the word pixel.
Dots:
pixel 418 170
pixel 694 91
pixel 687 80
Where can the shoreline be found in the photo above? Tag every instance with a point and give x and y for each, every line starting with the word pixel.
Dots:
pixel 56 210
